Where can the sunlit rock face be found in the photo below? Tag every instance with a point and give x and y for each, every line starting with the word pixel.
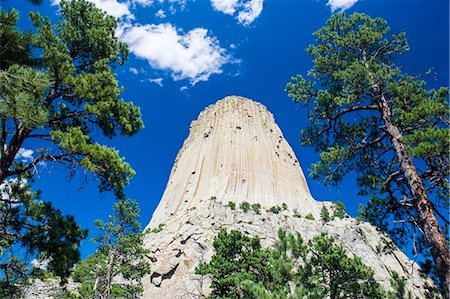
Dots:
pixel 235 152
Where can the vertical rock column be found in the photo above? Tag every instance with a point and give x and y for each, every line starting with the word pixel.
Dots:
pixel 235 152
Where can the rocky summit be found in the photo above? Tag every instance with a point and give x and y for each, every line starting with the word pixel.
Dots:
pixel 235 152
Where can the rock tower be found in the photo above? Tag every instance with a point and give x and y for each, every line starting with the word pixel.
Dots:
pixel 234 153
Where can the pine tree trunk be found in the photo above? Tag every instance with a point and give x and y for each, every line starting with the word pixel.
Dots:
pixel 107 292
pixel 427 219
pixel 7 158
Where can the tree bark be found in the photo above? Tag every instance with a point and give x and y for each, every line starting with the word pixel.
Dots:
pixel 109 274
pixel 427 219
pixel 11 151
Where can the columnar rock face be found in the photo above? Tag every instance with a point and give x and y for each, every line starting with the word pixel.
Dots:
pixel 235 152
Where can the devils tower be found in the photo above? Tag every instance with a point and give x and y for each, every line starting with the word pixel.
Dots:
pixel 236 153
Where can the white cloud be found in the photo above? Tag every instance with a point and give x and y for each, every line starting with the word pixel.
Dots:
pixel 247 10
pixel 111 7
pixel 157 81
pixel 170 5
pixel 160 14
pixel 193 55
pixel 6 189
pixel 134 70
pixel 24 154
pixel 144 2
pixel 251 10
pixel 226 6
pixel 341 4
pixel 40 264
pixel 183 88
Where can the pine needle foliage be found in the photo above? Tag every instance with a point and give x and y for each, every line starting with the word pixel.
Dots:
pixel 325 214
pixel 116 269
pixel 59 97
pixel 370 118
pixel 291 268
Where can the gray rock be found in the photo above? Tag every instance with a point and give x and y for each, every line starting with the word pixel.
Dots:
pixel 236 152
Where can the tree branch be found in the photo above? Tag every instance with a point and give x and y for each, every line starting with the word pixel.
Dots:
pixel 353 151
pixel 353 109
pixel 32 164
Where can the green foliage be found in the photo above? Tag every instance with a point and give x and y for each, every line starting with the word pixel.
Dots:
pixel 245 206
pixel 213 198
pixel 34 229
pixel 158 229
pixel 399 285
pixel 238 258
pixel 275 209
pixel 69 93
pixel 292 268
pixel 16 45
pixel 22 95
pixel 330 272
pixel 296 214
pixel 339 210
pixel 325 215
pixel 86 273
pixel 310 217
pixel 59 94
pixel 256 207
pixel 120 255
pixel 232 205
pixel 433 291
pixel 284 206
pixel 353 82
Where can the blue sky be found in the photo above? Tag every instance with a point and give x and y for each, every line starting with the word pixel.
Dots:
pixel 186 55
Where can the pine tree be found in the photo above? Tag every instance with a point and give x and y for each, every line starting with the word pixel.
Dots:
pixel 339 210
pixel 329 273
pixel 238 258
pixel 41 229
pixel 291 268
pixel 368 116
pixel 116 269
pixel 325 215
pixel 58 92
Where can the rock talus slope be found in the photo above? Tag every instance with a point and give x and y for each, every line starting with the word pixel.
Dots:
pixel 236 152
